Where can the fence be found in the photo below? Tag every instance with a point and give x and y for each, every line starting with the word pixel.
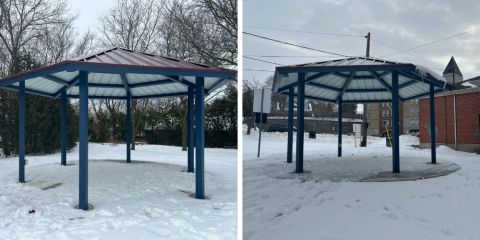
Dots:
pixel 213 139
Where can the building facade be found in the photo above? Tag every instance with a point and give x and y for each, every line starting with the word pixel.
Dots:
pixel 379 118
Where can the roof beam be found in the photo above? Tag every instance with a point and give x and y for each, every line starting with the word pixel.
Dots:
pixel 217 85
pixel 423 95
pixel 429 79
pixel 125 82
pixel 340 75
pixel 56 79
pixel 157 82
pixel 308 79
pixel 385 85
pixel 407 84
pixel 72 83
pixel 365 90
pixel 384 74
pixel 369 101
pixel 324 86
pixel 179 79
pixel 347 82
pixel 181 94
pixel 30 91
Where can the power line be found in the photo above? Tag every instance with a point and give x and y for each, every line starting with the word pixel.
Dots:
pixel 287 30
pixel 403 52
pixel 262 60
pixel 476 29
pixel 295 45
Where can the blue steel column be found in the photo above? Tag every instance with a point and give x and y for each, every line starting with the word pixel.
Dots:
pixel 21 131
pixel 432 124
pixel 200 138
pixel 83 141
pixel 190 133
pixel 129 127
pixel 395 124
pixel 340 117
pixel 64 128
pixel 291 95
pixel 300 120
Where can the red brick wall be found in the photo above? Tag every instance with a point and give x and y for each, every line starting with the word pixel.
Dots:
pixel 468 108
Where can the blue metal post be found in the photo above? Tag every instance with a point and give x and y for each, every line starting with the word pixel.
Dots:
pixel 290 125
pixel 190 133
pixel 300 120
pixel 64 128
pixel 432 124
pixel 395 124
pixel 83 141
pixel 340 117
pixel 200 137
pixel 129 127
pixel 21 131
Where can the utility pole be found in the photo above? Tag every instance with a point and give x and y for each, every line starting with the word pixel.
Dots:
pixel 368 44
pixel 364 123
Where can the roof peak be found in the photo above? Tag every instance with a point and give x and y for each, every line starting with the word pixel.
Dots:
pixel 452 63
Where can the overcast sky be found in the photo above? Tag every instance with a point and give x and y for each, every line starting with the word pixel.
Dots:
pixel 89 10
pixel 401 24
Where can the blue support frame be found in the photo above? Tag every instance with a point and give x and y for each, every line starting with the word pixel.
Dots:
pixel 345 86
pixel 200 138
pixel 55 79
pixel 290 125
pixel 72 83
pixel 190 133
pixel 395 123
pixel 21 131
pixel 129 127
pixel 64 128
pixel 83 141
pixel 300 121
pixel 340 118
pixel 432 124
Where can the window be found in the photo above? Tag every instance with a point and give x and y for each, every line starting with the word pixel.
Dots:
pixel 411 101
pixel 412 122
pixel 368 114
pixel 416 101
pixel 383 113
pixel 388 113
pixel 383 104
pixel 368 125
pixel 385 123
pixel 412 111
pixel 368 106
pixel 417 122
pixel 417 111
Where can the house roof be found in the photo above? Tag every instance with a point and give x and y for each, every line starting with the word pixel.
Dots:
pixel 358 80
pixel 115 71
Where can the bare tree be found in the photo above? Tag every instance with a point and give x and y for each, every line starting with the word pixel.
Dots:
pixel 131 24
pixel 24 21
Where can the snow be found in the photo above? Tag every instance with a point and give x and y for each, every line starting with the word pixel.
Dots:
pixel 131 201
pixel 330 203
pixel 424 71
pixel 467 84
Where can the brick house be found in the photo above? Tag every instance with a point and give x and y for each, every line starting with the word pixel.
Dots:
pixel 456 115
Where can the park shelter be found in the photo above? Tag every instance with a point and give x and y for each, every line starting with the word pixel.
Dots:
pixel 120 74
pixel 355 80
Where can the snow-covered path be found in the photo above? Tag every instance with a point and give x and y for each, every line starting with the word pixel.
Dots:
pixel 131 201
pixel 333 206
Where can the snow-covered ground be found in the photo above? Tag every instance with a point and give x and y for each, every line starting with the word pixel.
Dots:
pixel 131 201
pixel 330 203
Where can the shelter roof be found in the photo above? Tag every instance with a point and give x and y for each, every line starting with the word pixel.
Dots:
pixel 358 80
pixel 115 71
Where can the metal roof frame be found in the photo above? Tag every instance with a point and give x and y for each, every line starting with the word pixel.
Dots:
pixel 119 61
pixel 324 75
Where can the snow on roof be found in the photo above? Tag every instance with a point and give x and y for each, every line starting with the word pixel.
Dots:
pixel 467 84
pixel 424 71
